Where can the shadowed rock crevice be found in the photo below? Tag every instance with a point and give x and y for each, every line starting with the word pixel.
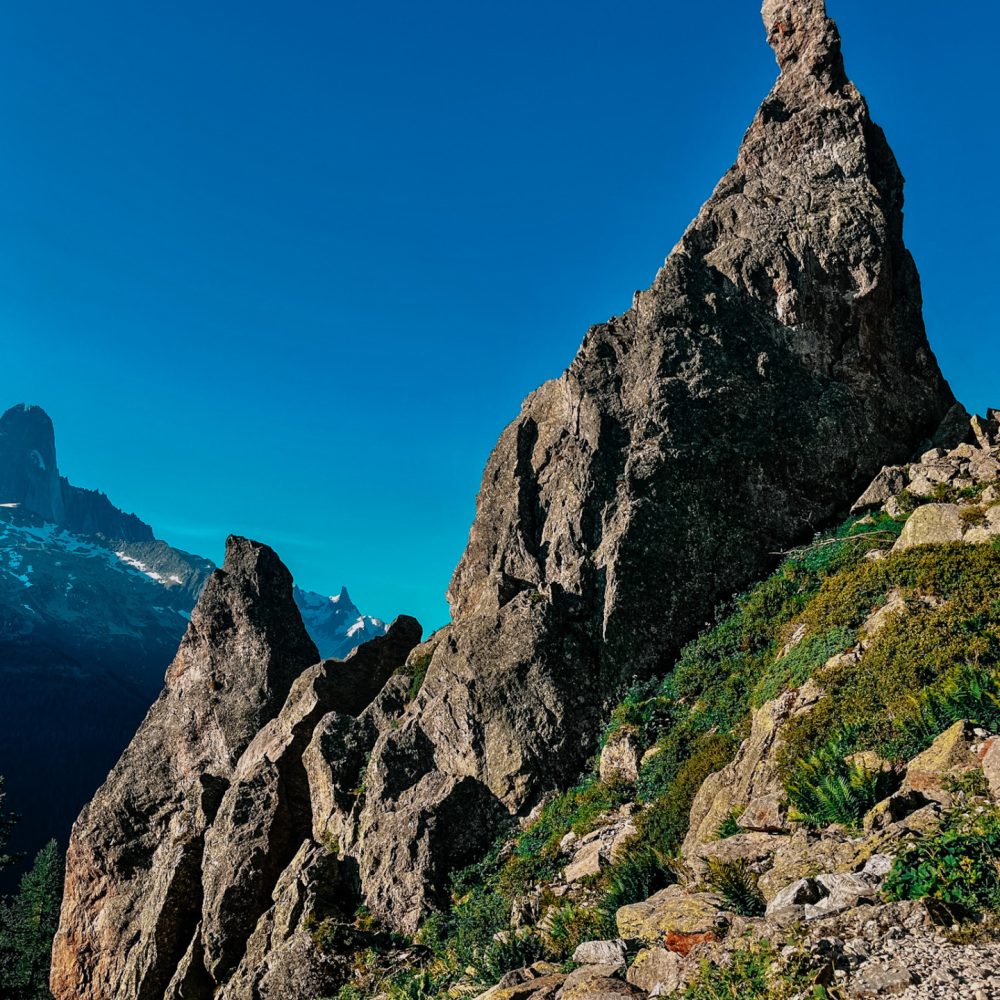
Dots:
pixel 266 815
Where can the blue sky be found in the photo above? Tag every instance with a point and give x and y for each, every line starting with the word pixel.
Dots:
pixel 287 270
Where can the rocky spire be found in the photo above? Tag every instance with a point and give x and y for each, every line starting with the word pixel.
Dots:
pixel 134 860
pixel 776 362
pixel 805 41
pixel 29 477
pixel 28 472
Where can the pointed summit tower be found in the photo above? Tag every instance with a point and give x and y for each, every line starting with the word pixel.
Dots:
pixel 29 475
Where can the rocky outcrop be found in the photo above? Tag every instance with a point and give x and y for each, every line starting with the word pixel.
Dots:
pixel 92 609
pixel 956 490
pixel 749 788
pixel 777 362
pixel 29 476
pixel 133 866
pixel 194 868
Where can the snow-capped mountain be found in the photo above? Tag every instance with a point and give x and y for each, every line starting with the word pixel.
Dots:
pixel 92 608
pixel 335 623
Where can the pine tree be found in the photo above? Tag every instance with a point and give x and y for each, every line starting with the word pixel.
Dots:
pixel 7 821
pixel 28 923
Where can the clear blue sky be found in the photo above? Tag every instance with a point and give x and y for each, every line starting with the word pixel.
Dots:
pixel 288 269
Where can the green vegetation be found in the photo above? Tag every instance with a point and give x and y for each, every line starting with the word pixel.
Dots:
pixel 570 925
pixel 28 923
pixel 825 788
pixel 964 692
pixel 729 827
pixel 416 669
pixel 936 661
pixel 694 719
pixel 641 872
pixel 752 975
pixel 736 883
pixel 7 822
pixel 960 864
pixel 938 658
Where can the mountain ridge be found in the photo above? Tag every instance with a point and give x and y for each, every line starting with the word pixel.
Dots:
pixel 92 609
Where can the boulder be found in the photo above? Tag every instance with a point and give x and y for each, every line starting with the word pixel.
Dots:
pixel 895 808
pixel 987 530
pixel 753 776
pixel 620 758
pixel 931 524
pixel 670 911
pixel 538 988
pixel 586 972
pixel 804 855
pixel 880 979
pixel 597 988
pixel 947 758
pixel 755 849
pixel 987 430
pixel 587 861
pixel 991 768
pixel 622 840
pixel 888 483
pixel 789 904
pixel 765 814
pixel 842 892
pixel 659 971
pixel 600 953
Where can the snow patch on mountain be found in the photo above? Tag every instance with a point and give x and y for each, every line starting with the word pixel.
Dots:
pixel 335 623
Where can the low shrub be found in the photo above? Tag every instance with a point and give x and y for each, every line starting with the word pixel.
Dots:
pixel 801 662
pixel 662 827
pixel 753 973
pixel 959 865
pixel 569 926
pixel 511 951
pixel 964 693
pixel 644 709
pixel 634 877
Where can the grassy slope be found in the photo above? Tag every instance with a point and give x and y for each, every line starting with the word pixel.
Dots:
pixel 936 663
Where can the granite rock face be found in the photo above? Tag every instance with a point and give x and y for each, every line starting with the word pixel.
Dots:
pixel 777 362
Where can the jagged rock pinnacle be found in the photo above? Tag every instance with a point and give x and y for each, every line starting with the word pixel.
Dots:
pixel 244 647
pixel 805 40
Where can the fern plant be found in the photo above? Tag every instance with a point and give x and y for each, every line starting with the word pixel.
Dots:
pixel 566 927
pixel 825 788
pixel 730 826
pixel 736 883
pixel 636 876
pixel 967 692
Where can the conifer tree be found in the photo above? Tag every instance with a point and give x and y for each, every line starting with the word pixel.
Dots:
pixel 7 821
pixel 28 923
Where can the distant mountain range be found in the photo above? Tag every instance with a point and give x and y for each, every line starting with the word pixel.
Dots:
pixel 92 608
